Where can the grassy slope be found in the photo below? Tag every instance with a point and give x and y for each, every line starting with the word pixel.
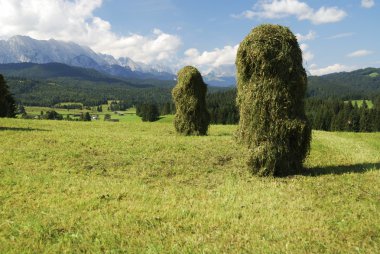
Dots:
pixel 140 188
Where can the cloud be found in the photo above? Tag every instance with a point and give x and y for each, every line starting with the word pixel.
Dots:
pixel 360 53
pixel 341 35
pixel 277 9
pixel 223 58
pixel 330 69
pixel 208 60
pixel 368 3
pixel 307 37
pixel 75 21
pixel 306 54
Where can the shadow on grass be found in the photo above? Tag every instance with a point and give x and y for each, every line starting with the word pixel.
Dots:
pixel 20 129
pixel 342 169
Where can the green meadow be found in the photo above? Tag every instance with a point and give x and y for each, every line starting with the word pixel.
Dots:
pixel 134 187
pixel 360 103
pixel 123 116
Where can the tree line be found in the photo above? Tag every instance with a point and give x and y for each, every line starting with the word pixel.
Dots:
pixel 338 115
pixel 7 102
pixel 48 93
pixel 331 114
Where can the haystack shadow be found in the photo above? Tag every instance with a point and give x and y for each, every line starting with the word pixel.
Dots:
pixel 340 169
pixel 20 129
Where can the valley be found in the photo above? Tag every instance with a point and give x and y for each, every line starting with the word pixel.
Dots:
pixel 186 127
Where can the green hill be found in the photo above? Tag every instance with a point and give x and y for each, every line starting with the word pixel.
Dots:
pixel 55 71
pixel 357 84
pixel 138 187
pixel 49 84
pixel 50 92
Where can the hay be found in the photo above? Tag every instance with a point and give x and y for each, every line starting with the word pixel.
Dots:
pixel 271 84
pixel 189 95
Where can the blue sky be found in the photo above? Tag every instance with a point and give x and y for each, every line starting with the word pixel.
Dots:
pixel 334 35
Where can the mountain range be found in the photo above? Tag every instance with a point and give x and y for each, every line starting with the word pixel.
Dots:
pixel 23 56
pixel 23 49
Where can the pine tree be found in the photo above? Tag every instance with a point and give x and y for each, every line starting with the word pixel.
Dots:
pixel 107 117
pixel 21 109
pixel 85 117
pixel 149 113
pixel 166 110
pixel 355 119
pixel 7 102
pixel 365 120
pixel 364 104
pixel 376 102
pixel 347 121
pixel 271 84
pixel 376 121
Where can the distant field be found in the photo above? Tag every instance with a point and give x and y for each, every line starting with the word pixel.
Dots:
pixel 134 187
pixel 123 116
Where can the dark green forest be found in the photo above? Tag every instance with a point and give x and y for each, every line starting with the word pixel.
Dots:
pixel 329 114
pixel 51 92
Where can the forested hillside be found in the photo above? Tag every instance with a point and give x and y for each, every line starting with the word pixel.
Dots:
pixel 90 93
pixel 53 83
pixel 48 84
pixel 359 84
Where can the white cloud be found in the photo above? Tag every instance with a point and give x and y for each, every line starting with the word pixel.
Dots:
pixel 307 37
pixel 368 3
pixel 306 54
pixel 360 53
pixel 313 66
pixel 327 15
pixel 330 69
pixel 208 60
pixel 341 35
pixel 276 9
pixel 75 21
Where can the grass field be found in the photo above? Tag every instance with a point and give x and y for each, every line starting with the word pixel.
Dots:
pixel 123 116
pixel 133 187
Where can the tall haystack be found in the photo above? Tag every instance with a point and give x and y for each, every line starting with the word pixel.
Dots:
pixel 189 95
pixel 271 84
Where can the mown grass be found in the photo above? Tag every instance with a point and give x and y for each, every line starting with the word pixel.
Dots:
pixel 133 187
